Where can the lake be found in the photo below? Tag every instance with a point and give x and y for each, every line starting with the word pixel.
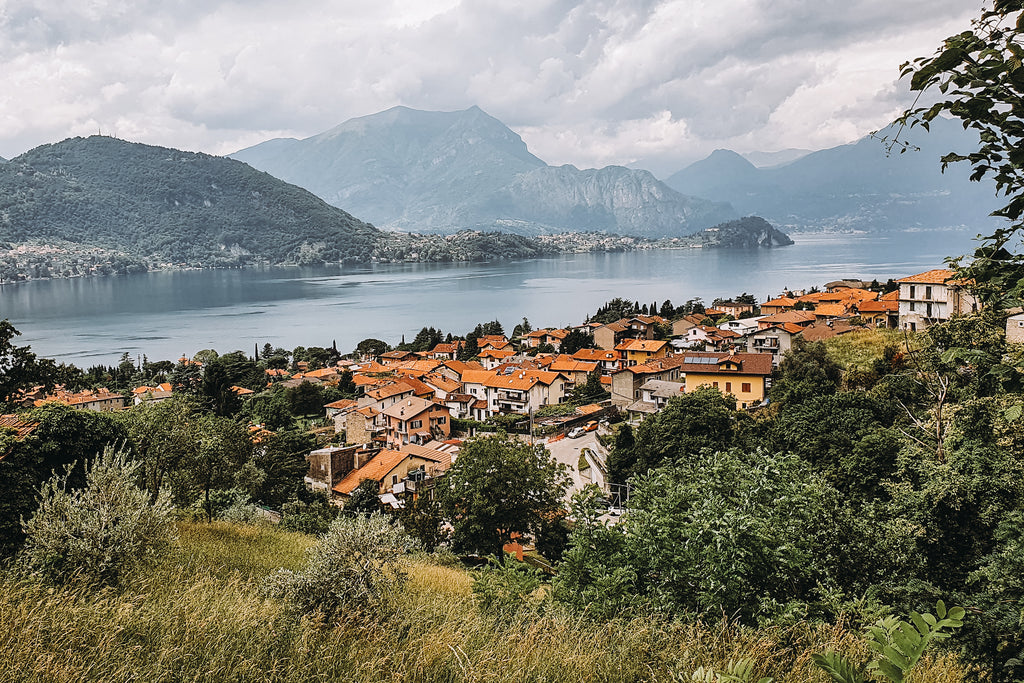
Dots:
pixel 166 314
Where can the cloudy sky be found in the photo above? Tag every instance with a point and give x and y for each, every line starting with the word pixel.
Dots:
pixel 655 83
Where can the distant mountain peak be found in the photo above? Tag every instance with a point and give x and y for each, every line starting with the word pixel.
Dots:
pixel 443 171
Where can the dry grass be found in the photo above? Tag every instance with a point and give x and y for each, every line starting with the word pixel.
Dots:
pixel 201 617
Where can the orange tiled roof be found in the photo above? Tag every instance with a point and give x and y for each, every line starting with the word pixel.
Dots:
pixel 939 276
pixel 389 390
pixel 341 404
pixel 595 355
pixel 376 469
pixel 831 310
pixel 641 345
pixel 20 425
pixel 781 302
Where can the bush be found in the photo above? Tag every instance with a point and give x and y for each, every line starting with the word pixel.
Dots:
pixel 101 532
pixel 504 588
pixel 351 572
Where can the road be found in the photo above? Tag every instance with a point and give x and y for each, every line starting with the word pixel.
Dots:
pixel 568 450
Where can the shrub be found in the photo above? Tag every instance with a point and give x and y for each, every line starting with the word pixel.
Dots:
pixel 101 532
pixel 505 588
pixel 352 571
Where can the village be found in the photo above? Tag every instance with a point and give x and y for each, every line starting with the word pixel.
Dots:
pixel 411 409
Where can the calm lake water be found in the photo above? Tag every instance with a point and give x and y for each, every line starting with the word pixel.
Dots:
pixel 164 315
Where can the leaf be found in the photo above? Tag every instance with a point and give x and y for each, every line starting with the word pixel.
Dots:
pixel 839 668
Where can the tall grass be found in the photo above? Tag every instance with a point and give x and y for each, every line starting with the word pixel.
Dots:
pixel 861 348
pixel 201 617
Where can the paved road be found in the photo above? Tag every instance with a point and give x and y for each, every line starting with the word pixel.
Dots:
pixel 567 451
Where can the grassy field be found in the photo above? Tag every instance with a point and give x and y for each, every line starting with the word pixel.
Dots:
pixel 200 616
pixel 860 349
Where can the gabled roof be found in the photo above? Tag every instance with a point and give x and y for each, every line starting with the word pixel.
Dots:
pixel 781 302
pixel 477 376
pixel 830 310
pixel 894 295
pixel 797 317
pixel 564 363
pixel 441 382
pixel 496 353
pixel 522 380
pixel 369 381
pixel 886 306
pixel 341 404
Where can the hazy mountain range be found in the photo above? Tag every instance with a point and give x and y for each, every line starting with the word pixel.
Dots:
pixel 423 171
pixel 853 187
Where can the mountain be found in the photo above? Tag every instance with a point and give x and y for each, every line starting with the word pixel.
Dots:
pixel 439 172
pixel 750 232
pixel 853 187
pixel 769 159
pixel 170 207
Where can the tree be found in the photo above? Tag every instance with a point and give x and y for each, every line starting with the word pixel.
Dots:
pixel 805 371
pixel 577 339
pixel 19 367
pixel 980 78
pixel 100 532
pixel 371 347
pixel 354 569
pixel 498 488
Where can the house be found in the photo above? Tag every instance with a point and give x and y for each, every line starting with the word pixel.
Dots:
pixel 626 383
pixel 100 400
pixel 523 391
pixel 495 342
pixel 746 376
pixel 492 358
pixel 441 385
pixel 704 336
pixel 637 351
pixel 387 468
pixel 683 325
pixel 933 297
pixel 387 395
pixel 607 361
pixel 654 394
pixel 161 392
pixel 801 318
pixel 328 466
pixel 416 420
pixel 395 357
pixel 883 312
pixel 775 340
pixel 363 425
pixel 575 371
pixel 447 351
pixel 1015 329
pixel 734 308
pixel 611 335
pixel 778 305
pixel 742 327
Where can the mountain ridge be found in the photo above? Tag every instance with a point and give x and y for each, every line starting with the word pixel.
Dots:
pixel 439 172
pixel 854 187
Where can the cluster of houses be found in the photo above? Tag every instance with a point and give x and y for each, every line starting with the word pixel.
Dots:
pixel 398 432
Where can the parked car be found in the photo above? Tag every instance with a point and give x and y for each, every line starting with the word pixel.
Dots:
pixel 576 432
pixel 590 426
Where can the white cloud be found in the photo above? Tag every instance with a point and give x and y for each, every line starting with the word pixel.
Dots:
pixel 590 82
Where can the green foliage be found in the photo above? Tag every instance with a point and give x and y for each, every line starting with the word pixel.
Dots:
pixel 353 571
pixel 503 589
pixel 169 206
pixel 364 498
pixel 805 371
pixel 497 488
pixel 576 339
pixel 99 533
pixel 423 519
pixel 371 347
pixel 19 367
pixel 898 646
pixel 980 80
pixel 736 671
pixel 309 517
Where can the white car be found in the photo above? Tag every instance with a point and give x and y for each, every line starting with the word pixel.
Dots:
pixel 576 432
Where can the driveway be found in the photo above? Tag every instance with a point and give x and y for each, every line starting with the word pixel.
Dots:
pixel 567 451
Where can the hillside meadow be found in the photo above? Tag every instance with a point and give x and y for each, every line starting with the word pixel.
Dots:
pixel 200 615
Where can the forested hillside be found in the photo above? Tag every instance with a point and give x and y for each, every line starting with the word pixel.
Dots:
pixel 169 206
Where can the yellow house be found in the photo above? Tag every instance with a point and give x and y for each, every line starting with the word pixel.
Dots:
pixel 742 375
pixel 639 351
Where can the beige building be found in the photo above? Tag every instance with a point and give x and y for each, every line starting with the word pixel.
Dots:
pixel 932 297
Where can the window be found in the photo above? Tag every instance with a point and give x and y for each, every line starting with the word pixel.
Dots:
pixel 715 385
pixel 911 306
pixel 394 479
pixel 927 292
pixel 911 291
pixel 745 387
pixel 728 387
pixel 415 424
pixel 929 310
pixel 441 420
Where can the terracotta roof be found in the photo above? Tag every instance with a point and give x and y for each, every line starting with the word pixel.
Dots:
pixel 322 373
pixel 376 469
pixel 367 381
pixel 886 306
pixel 393 389
pixel 787 317
pixel 441 382
pixel 830 310
pixel 442 458
pixel 341 404
pixel 462 366
pixel 781 302
pixel 496 353
pixel 242 391
pixel 938 276
pixel 565 363
pixel 477 376
pixel 522 380
pixel 595 355
pixel 460 398
pixel 588 409
pixel 641 345
pixel 20 425
pixel 894 295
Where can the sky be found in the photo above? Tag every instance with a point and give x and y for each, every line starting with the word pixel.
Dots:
pixel 646 83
